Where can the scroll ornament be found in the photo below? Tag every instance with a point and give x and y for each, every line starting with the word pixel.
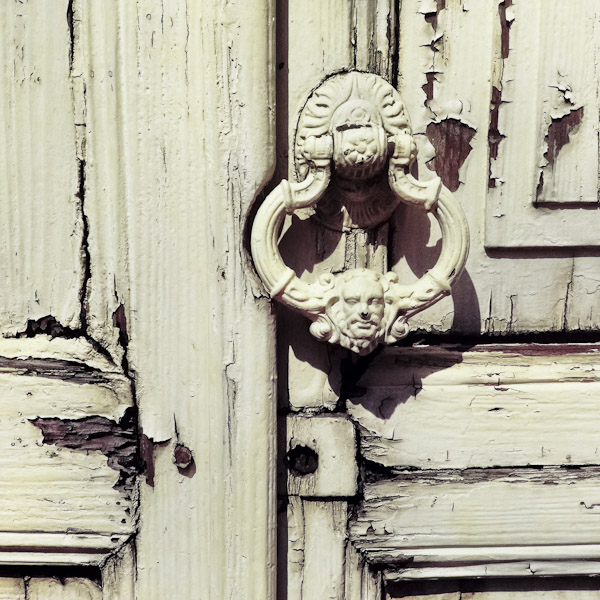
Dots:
pixel 354 128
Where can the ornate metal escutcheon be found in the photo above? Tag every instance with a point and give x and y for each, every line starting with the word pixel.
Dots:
pixel 353 152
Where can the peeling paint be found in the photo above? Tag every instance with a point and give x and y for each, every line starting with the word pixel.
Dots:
pixel 559 133
pixel 428 87
pixel 506 20
pixel 451 139
pixel 432 17
pixel 494 135
pixel 557 137
pixel 147 457
pixel 117 441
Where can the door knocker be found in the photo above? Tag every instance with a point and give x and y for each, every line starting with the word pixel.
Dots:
pixel 351 128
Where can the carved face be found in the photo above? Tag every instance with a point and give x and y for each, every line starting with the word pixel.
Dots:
pixel 362 307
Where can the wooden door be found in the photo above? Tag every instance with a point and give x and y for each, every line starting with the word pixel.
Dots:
pixel 466 452
pixel 138 351
pixel 136 346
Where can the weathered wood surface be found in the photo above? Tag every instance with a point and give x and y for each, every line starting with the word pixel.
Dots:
pixel 321 456
pixel 310 49
pixel 71 588
pixel 179 141
pixel 12 588
pixel 439 408
pixel 477 509
pixel 560 142
pixel 468 72
pixel 68 458
pixel 41 231
pixel 135 139
pixel 44 588
pixel 124 219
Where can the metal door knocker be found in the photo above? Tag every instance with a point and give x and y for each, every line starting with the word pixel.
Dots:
pixel 351 128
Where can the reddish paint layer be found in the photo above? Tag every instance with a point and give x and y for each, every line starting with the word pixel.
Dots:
pixel 451 139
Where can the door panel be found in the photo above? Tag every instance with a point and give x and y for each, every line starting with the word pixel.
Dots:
pixel 41 235
pixel 478 460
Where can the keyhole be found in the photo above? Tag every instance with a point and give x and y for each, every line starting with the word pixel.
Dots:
pixel 302 460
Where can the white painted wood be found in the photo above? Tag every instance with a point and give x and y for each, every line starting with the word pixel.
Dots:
pixel 373 36
pixel 501 292
pixel 72 588
pixel 567 83
pixel 316 549
pixel 105 76
pixel 119 573
pixel 526 568
pixel 12 588
pixel 509 595
pixel 512 218
pixel 324 549
pixel 179 141
pixel 292 530
pixel 439 408
pixel 477 508
pixel 362 583
pixel 41 225
pixel 332 439
pixel 58 505
pixel 167 108
pixel 311 49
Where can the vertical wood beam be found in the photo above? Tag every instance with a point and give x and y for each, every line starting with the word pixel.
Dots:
pixel 183 94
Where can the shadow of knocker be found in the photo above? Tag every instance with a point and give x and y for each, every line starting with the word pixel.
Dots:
pixel 352 127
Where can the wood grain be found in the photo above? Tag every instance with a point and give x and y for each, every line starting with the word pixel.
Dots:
pixel 439 408
pixel 477 508
pixel 41 223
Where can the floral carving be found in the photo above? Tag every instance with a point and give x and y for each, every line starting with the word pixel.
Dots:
pixel 353 152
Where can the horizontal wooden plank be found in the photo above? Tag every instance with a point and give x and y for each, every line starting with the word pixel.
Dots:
pixel 71 588
pixel 525 568
pixel 482 364
pixel 12 588
pixel 443 408
pixel 49 488
pixel 65 443
pixel 478 508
